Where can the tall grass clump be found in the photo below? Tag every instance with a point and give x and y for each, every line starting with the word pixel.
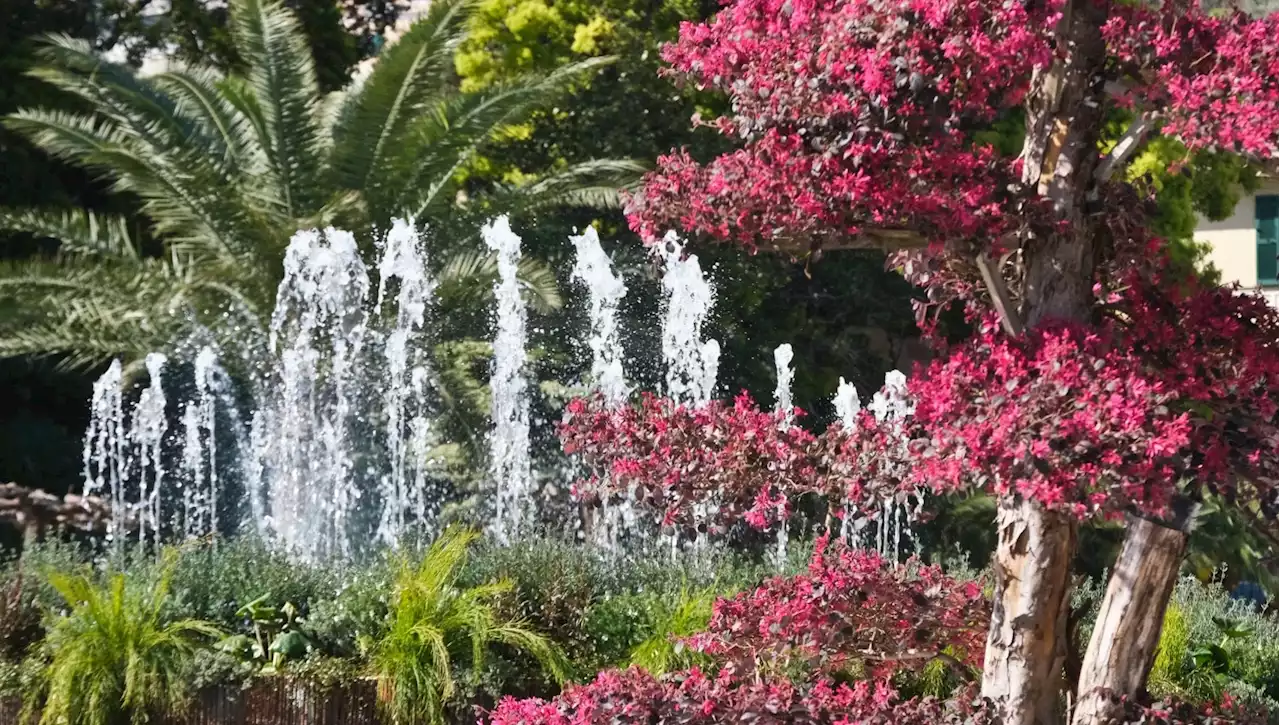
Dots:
pixel 433 622
pixel 112 653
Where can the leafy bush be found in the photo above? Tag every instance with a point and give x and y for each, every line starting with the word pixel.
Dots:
pixel 435 621
pixel 850 613
pixel 1213 645
pixel 114 653
pixel 347 623
pixel 215 580
pixel 19 618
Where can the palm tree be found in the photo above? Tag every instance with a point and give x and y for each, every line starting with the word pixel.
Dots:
pixel 227 167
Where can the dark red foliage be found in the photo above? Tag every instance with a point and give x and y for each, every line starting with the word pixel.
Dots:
pixel 622 697
pixel 854 114
pixel 695 698
pixel 857 114
pixel 1174 391
pixel 734 460
pixel 849 607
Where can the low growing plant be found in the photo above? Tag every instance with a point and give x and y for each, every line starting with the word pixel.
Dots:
pixel 113 653
pixel 19 618
pixel 665 649
pixel 433 622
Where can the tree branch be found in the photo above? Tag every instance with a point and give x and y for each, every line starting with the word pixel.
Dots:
pixel 994 281
pixel 1123 149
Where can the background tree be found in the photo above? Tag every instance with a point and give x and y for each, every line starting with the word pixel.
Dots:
pixel 228 167
pixel 42 407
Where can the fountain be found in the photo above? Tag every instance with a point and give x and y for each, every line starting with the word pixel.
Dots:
pixel 147 433
pixel 892 405
pixel 510 471
pixel 318 332
pixel 106 447
pixel 336 454
pixel 605 291
pixel 404 398
pixel 785 409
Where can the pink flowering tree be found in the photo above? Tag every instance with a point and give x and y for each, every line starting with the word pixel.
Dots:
pixel 1100 383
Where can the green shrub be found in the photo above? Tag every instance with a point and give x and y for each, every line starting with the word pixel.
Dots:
pixel 214 580
pixel 1171 653
pixel 435 621
pixel 20 625
pixel 113 653
pixel 347 623
pixel 662 651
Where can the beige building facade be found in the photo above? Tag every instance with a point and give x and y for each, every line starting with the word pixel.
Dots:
pixel 1244 246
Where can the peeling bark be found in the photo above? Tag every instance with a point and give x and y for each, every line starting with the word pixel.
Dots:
pixel 1123 645
pixel 1027 643
pixel 1065 117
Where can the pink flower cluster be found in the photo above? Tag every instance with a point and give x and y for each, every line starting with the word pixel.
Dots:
pixel 777 652
pixel 739 460
pixel 1057 416
pixel 849 607
pixel 697 698
pixel 858 114
pixel 623 697
pixel 1176 392
pixel 1212 80
pixel 855 113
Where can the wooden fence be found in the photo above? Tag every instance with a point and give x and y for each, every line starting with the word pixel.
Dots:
pixel 274 701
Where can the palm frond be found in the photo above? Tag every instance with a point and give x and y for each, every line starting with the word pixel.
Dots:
pixel 196 93
pixel 78 230
pixel 282 77
pixel 592 184
pixel 442 141
pixel 407 78
pixel 467 279
pixel 85 311
pixel 132 103
pixel 184 202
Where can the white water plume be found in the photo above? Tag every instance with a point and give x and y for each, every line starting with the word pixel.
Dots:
pixel 147 433
pixel 605 291
pixel 105 456
pixel 302 437
pixel 403 267
pixel 692 363
pixel 510 470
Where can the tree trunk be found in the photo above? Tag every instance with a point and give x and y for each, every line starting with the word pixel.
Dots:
pixel 1026 646
pixel 1065 108
pixel 1123 645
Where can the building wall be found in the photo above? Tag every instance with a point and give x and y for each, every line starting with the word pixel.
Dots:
pixel 1234 241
